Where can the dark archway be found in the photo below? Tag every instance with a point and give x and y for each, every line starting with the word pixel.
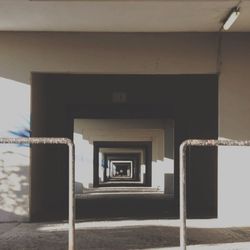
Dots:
pixel 190 100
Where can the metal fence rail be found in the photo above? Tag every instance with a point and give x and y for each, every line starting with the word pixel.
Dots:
pixel 71 149
pixel 183 201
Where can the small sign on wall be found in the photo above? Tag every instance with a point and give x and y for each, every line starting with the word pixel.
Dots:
pixel 119 97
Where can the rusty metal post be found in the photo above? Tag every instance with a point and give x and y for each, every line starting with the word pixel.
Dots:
pixel 183 201
pixel 71 147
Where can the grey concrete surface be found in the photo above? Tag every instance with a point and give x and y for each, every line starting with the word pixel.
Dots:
pixel 124 235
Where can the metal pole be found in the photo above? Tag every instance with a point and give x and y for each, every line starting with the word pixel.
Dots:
pixel 71 240
pixel 183 205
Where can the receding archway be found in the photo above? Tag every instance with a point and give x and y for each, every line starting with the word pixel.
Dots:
pixel 146 147
pixel 190 100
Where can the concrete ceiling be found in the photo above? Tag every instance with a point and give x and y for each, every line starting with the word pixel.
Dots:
pixel 121 16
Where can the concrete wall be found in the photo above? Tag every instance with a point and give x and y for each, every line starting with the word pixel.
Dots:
pixel 14 159
pixel 22 53
pixel 86 131
pixel 234 123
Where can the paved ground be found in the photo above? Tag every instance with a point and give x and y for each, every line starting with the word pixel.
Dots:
pixel 122 235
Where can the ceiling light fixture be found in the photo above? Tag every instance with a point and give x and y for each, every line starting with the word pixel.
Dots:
pixel 234 14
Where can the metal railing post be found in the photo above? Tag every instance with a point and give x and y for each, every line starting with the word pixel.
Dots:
pixel 71 240
pixel 183 206
pixel 71 150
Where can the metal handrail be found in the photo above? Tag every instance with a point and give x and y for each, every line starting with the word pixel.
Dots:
pixel 71 147
pixel 183 201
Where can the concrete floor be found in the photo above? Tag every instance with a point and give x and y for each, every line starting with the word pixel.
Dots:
pixel 124 235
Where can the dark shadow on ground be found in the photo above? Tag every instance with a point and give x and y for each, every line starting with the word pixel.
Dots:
pixel 126 206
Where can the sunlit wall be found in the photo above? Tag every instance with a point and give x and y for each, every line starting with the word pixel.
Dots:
pixel 234 185
pixel 14 159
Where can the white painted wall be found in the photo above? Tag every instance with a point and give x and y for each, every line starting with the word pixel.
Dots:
pixel 170 53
